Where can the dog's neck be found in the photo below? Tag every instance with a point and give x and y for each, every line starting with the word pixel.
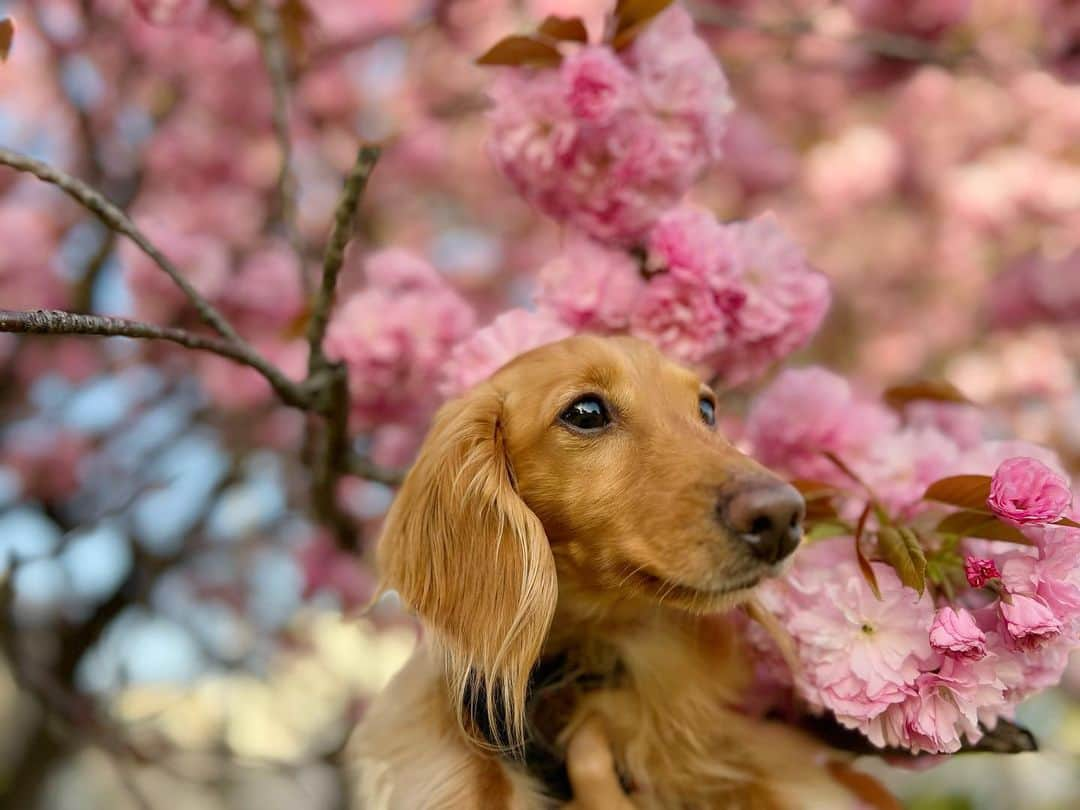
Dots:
pixel 660 655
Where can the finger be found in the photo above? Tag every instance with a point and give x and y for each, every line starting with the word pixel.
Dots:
pixel 591 766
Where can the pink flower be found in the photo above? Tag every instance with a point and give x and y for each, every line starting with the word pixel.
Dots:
pixel 597 84
pixel 758 161
pixel 955 633
pixel 1025 491
pixel 170 12
pixel 951 704
pixel 512 333
pixel 681 80
pixel 691 245
pixel 860 654
pixel 901 465
pixel 686 321
pixel 398 270
pixel 784 300
pixel 266 293
pixel 979 571
pixel 203 260
pixel 805 412
pixel 1028 623
pixel 964 424
pixel 394 340
pixel 28 278
pixel 590 286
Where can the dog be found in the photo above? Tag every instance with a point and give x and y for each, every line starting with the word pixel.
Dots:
pixel 575 535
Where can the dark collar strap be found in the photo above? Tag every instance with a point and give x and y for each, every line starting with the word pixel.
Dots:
pixel 555 685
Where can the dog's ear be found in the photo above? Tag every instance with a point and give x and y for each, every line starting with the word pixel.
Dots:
pixel 466 553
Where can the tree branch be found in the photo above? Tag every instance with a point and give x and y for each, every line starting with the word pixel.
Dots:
pixel 58 322
pixel 364 467
pixel 344 215
pixel 267 26
pixel 91 199
pixel 880 43
pixel 330 461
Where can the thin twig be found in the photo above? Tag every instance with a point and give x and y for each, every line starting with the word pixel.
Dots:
pixel 267 25
pixel 93 200
pixel 364 467
pixel 344 215
pixel 881 43
pixel 58 322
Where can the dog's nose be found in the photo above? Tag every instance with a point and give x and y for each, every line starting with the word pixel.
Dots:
pixel 769 518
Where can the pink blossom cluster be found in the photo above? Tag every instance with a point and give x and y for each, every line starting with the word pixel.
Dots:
pixel 394 336
pixel 1037 289
pixel 611 139
pixel 729 299
pixel 923 671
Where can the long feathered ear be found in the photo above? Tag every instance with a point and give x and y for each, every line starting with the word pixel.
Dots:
pixel 466 553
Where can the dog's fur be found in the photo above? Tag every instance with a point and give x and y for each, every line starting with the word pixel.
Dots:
pixel 515 539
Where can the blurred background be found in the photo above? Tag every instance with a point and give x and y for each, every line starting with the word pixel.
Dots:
pixel 180 628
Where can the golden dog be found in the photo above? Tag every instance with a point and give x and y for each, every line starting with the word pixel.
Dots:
pixel 571 535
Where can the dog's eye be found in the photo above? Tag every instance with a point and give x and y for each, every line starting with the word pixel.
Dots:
pixel 708 411
pixel 587 413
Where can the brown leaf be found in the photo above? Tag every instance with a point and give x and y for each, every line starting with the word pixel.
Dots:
pixel 864 786
pixel 900 548
pixel 967 491
pixel 864 564
pixel 981 524
pixel 631 16
pixel 820 509
pixel 812 490
pixel 7 36
pixel 924 390
pixel 296 21
pixel 569 29
pixel 519 51
pixel 1072 524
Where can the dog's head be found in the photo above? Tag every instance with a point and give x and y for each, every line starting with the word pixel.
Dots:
pixel 592 463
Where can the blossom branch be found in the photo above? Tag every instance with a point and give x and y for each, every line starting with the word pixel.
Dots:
pixel 93 200
pixel 344 215
pixel 58 322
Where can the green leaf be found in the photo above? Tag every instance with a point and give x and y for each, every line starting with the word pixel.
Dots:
pixel 864 563
pixel 822 529
pixel 966 491
pixel 981 524
pixel 519 51
pixel 925 391
pixel 900 548
pixel 7 36
pixel 631 17
pixel 569 29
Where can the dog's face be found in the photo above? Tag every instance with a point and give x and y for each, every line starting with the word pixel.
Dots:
pixel 616 451
pixel 593 464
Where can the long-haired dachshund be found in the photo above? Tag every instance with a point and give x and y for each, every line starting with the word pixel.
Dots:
pixel 571 535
